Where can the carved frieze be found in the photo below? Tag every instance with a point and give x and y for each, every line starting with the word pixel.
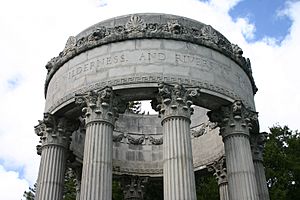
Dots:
pixel 156 141
pixel 138 28
pixel 137 140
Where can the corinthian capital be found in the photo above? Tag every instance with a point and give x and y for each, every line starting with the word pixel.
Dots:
pixel 257 142
pixel 100 105
pixel 219 170
pixel 174 101
pixel 54 131
pixel 233 118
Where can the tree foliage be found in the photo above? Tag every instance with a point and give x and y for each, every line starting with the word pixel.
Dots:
pixel 30 194
pixel 282 163
pixel 206 186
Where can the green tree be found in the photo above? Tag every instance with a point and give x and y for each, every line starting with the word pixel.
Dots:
pixel 206 186
pixel 282 163
pixel 70 185
pixel 30 194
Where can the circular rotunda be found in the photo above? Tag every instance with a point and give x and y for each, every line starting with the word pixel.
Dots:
pixel 199 84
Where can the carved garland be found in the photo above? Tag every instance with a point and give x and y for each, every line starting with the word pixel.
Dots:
pixel 136 28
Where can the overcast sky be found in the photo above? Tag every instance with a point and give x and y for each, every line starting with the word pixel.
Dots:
pixel 34 31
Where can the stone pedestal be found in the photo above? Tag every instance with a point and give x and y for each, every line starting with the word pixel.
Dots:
pixel 219 169
pixel 100 115
pixel 234 122
pixel 175 111
pixel 257 146
pixel 55 138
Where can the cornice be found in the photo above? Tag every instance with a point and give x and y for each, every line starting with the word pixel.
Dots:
pixel 148 26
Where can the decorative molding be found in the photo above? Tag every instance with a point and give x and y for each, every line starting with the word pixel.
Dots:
pixel 118 138
pixel 138 28
pixel 145 79
pixel 154 141
pixel 135 141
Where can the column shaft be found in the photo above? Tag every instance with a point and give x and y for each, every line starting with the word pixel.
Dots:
pixel 174 106
pixel 51 173
pixel 240 169
pixel 96 183
pixel 261 180
pixel 179 180
pixel 223 191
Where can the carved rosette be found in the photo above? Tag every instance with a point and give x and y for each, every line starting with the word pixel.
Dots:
pixel 257 142
pixel 100 105
pixel 219 169
pixel 54 131
pixel 174 101
pixel 233 119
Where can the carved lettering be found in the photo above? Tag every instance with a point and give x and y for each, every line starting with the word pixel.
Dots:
pixel 152 57
pixel 187 59
pixel 95 65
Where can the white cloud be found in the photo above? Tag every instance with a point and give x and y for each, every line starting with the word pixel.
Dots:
pixel 33 31
pixel 12 187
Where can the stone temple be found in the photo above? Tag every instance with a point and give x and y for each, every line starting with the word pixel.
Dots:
pixel 198 82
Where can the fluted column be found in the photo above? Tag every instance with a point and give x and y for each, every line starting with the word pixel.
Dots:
pixel 219 169
pixel 174 108
pixel 55 138
pixel 100 115
pixel 257 141
pixel 234 122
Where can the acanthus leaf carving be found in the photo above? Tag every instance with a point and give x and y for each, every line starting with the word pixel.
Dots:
pixel 100 105
pixel 135 141
pixel 155 141
pixel 219 170
pixel 233 116
pixel 174 100
pixel 54 131
pixel 135 24
pixel 118 138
